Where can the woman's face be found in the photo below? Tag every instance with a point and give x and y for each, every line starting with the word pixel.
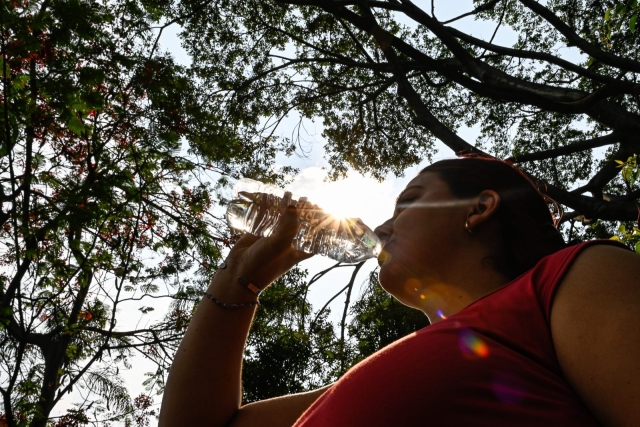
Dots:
pixel 421 242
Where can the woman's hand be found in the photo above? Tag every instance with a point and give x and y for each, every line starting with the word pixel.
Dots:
pixel 204 385
pixel 261 260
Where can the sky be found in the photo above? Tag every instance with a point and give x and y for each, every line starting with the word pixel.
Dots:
pixel 356 196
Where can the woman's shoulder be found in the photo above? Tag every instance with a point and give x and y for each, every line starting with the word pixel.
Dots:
pixel 593 261
pixel 594 326
pixel 595 269
pixel 578 248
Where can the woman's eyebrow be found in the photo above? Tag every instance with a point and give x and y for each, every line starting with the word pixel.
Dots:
pixel 405 190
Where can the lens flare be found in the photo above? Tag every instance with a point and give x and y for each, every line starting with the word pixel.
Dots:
pixel 411 286
pixel 441 314
pixel 472 345
pixel 453 203
pixel 383 257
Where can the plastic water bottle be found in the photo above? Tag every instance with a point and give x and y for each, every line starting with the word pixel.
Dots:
pixel 256 207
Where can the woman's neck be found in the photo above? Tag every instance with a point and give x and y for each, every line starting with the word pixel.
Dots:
pixel 464 286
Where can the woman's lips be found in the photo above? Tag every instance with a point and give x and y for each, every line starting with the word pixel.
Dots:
pixel 386 243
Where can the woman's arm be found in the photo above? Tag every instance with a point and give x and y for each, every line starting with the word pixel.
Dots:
pixel 595 323
pixel 204 385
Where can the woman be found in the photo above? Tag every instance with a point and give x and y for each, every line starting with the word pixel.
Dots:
pixel 525 331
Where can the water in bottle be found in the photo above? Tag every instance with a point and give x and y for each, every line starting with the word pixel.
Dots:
pixel 256 209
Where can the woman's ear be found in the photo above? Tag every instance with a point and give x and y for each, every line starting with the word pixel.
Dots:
pixel 484 208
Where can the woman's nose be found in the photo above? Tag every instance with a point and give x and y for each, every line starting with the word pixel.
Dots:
pixel 384 231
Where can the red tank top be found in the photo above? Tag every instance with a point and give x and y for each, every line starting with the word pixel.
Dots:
pixel 491 364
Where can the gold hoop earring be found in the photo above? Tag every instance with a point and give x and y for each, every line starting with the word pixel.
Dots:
pixel 466 227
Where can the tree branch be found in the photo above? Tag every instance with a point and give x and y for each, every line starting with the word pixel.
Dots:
pixel 343 322
pixel 324 307
pixel 575 40
pixel 423 117
pixel 527 54
pixel 490 82
pixel 376 93
pixel 142 344
pixel 377 4
pixel 74 380
pixel 605 92
pixel 116 334
pixel 176 20
pixel 494 82
pixel 634 195
pixel 575 147
pixel 347 62
pixel 607 173
pixel 487 6
pixel 356 41
pixel 593 208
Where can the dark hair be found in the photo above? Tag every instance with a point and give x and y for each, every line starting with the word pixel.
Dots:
pixel 527 226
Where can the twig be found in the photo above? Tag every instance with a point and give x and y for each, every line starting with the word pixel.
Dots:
pixel 343 322
pixel 581 43
pixel 481 8
pixel 313 323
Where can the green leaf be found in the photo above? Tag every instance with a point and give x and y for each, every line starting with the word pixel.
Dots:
pixel 71 351
pixel 76 125
pixel 632 23
pixel 638 247
pixel 80 106
pixel 607 15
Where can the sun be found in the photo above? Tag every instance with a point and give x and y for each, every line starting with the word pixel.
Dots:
pixel 334 201
pixel 355 196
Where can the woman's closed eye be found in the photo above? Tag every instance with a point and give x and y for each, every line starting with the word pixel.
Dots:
pixel 403 203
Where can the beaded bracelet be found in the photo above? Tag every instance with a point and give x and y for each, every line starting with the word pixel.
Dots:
pixel 253 288
pixel 244 282
pixel 232 306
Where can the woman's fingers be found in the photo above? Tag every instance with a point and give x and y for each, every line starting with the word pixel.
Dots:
pixel 264 259
pixel 246 240
pixel 286 230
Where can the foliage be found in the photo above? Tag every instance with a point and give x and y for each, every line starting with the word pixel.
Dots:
pixel 616 17
pixel 630 237
pixel 628 232
pixel 293 348
pixel 287 351
pixel 630 171
pixel 379 319
pixel 103 209
pixel 388 78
